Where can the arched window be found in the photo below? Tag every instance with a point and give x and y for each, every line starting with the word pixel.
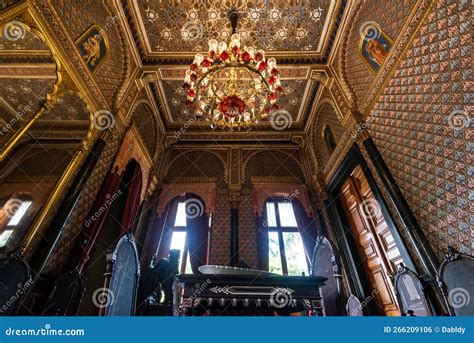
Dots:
pixel 329 139
pixel 178 238
pixel 189 233
pixel 285 245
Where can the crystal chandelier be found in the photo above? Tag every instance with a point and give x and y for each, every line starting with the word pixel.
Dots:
pixel 232 87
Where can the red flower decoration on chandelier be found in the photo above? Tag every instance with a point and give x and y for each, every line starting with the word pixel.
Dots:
pixel 232 106
pixel 232 86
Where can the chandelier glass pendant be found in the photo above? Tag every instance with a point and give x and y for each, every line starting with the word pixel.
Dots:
pixel 233 87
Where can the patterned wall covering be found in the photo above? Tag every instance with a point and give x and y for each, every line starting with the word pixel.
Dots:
pixel 77 17
pixel 79 215
pixel 326 116
pixel 144 119
pixel 220 234
pixel 412 125
pixel 390 16
pixel 196 164
pixel 273 163
pixel 247 233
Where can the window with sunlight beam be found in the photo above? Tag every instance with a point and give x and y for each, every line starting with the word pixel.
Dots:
pixel 178 239
pixel 285 246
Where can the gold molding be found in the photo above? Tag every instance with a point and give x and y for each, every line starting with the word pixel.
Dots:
pixel 62 43
pixel 343 28
pixel 60 188
pixel 51 97
pixel 194 179
pixel 57 193
pixel 274 180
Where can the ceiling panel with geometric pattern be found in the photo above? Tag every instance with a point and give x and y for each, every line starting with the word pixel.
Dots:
pixel 295 80
pixel 184 27
pixel 299 34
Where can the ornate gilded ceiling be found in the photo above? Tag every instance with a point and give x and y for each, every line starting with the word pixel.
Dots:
pixel 179 28
pixel 152 42
pixel 295 80
pixel 28 73
pixel 169 33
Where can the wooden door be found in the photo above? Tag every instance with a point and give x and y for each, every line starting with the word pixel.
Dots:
pixel 379 252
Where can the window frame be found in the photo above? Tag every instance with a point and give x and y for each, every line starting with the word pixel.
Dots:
pixel 182 267
pixel 22 216
pixel 7 226
pixel 280 229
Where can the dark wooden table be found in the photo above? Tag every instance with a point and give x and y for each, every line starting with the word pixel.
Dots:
pixel 245 295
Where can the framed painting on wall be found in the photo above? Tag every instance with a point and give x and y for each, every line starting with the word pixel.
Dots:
pixel 374 46
pixel 93 47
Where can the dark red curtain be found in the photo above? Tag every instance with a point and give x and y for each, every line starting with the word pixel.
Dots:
pixel 197 239
pixel 153 236
pixel 156 229
pixel 95 219
pixel 307 228
pixel 261 226
pixel 133 201
pixel 164 229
